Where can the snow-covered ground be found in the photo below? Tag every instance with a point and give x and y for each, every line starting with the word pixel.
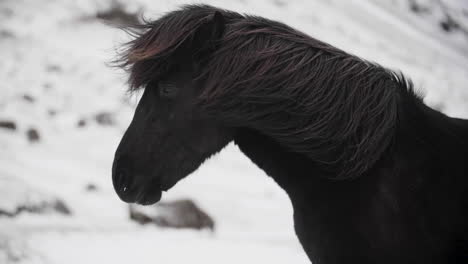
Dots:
pixel 55 52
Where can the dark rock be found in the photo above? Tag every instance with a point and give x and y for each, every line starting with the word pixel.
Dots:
pixel 90 187
pixel 28 98
pixel 53 68
pixel 104 118
pixel 52 112
pixel 117 15
pixel 6 12
pixel 33 135
pixel 47 86
pixel 81 123
pixel 417 7
pixel 183 214
pixel 279 3
pixel 7 213
pixel 6 124
pixel 43 207
pixel 60 207
pixel 176 214
pixel 139 217
pixel 18 196
pixel 449 24
pixel 6 34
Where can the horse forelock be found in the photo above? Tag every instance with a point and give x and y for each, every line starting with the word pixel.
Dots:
pixel 152 50
pixel 310 97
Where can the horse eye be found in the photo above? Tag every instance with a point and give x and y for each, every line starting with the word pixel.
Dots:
pixel 167 89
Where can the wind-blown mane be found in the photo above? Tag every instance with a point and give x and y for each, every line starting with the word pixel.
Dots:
pixel 311 98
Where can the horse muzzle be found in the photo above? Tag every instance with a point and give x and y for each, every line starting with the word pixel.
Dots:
pixel 130 193
pixel 129 190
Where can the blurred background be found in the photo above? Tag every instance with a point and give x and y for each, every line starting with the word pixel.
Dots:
pixel 63 111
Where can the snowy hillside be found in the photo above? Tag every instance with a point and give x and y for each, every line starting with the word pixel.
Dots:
pixel 63 111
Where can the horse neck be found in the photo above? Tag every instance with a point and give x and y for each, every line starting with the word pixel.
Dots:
pixel 423 135
pixel 432 131
pixel 290 170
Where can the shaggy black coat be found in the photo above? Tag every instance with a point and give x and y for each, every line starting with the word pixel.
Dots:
pixel 374 175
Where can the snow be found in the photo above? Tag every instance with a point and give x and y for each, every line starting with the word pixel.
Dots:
pixel 56 52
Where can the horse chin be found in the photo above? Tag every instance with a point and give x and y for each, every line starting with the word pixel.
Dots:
pixel 149 198
pixel 168 183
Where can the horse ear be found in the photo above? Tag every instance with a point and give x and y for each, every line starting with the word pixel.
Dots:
pixel 217 27
pixel 207 36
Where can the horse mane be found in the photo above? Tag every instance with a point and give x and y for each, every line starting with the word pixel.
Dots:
pixel 310 97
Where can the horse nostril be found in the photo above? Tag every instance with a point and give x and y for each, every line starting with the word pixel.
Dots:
pixel 123 178
pixel 122 181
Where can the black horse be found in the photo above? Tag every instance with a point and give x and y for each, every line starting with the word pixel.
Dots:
pixel 373 174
